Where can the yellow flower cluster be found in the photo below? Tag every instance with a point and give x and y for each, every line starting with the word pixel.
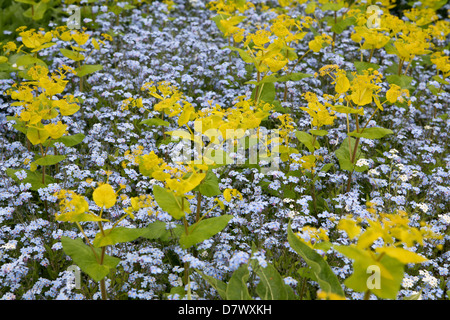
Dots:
pixel 393 228
pixel 38 97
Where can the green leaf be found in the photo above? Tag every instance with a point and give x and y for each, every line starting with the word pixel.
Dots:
pixel 50 160
pixel 33 177
pixel 27 1
pixel 403 81
pixel 271 78
pixel 38 11
pixel 434 90
pixel 326 279
pixel 344 155
pixel 116 235
pixel 72 55
pixel 266 92
pixel 320 133
pixel 242 53
pixel 80 217
pixel 296 76
pixel 209 186
pixel 339 27
pixel 70 141
pixel 154 230
pixel 327 167
pixel 360 66
pixel 88 69
pixel 84 257
pixel 174 205
pixel 390 272
pixel 218 285
pixel 237 286
pixel 271 285
pixel 440 80
pixel 307 139
pixel 27 60
pixel 155 122
pixel 332 6
pixel 413 296
pixel 204 229
pixel 217 20
pixel 390 48
pixel 345 109
pixel 372 133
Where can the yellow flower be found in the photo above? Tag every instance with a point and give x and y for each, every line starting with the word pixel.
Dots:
pixel 229 193
pixel 36 40
pixel 442 62
pixel 395 93
pixel 319 42
pixel 80 37
pixel 322 295
pixel 363 88
pixel 261 37
pixel 56 130
pixel 342 82
pixel 318 112
pixel 104 196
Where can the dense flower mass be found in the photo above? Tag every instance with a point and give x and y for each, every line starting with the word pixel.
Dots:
pixel 167 149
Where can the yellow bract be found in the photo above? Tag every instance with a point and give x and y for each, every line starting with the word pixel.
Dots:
pixel 104 196
pixel 36 40
pixel 228 194
pixel 350 226
pixel 395 93
pixel 318 112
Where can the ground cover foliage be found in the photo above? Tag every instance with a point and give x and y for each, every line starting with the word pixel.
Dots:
pixel 224 150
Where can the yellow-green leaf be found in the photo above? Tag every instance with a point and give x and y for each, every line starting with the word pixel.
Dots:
pixel 104 196
pixel 402 255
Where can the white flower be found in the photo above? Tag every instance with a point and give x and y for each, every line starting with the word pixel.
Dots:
pixel 374 172
pixel 9 246
pixel 292 214
pixel 403 177
pixel 445 218
pixel 428 278
pixel 407 283
pixel 362 162
pixel 423 207
pixel 393 151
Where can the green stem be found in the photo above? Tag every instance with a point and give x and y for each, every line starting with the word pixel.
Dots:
pixel 199 205
pixel 102 282
pixel 371 54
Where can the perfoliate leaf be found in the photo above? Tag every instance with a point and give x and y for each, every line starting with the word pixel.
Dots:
pixel 402 255
pixel 372 133
pixel 72 55
pixel 174 205
pixel 88 69
pixel 50 160
pixel 237 286
pixel 155 122
pixel 327 280
pixel 104 196
pixel 116 235
pixel 218 285
pixel 84 257
pixel 204 229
